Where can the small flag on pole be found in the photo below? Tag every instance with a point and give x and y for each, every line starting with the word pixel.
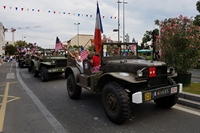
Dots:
pixel 58 44
pixel 83 54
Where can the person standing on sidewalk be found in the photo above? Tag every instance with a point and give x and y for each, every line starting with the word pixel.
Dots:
pixel 1 60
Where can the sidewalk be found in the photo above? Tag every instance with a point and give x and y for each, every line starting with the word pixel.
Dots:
pixel 195 73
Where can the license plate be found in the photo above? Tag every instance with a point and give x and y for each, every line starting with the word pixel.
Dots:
pixel 173 89
pixel 161 92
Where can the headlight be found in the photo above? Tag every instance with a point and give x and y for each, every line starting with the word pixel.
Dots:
pixel 170 70
pixel 139 73
pixel 53 62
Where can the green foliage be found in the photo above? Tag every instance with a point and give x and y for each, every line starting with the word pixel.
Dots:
pixel 147 38
pixel 180 41
pixel 197 20
pixel 21 43
pixel 198 5
pixel 197 17
pixel 10 50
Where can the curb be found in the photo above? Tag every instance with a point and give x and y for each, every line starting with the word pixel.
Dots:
pixel 188 99
pixel 197 77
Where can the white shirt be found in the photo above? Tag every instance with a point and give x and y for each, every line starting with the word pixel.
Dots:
pixel 79 63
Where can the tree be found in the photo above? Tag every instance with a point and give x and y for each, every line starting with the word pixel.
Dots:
pixel 197 17
pixel 147 38
pixel 180 41
pixel 21 44
pixel 10 50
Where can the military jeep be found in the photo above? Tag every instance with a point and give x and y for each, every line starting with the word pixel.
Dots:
pixel 124 78
pixel 23 59
pixel 46 64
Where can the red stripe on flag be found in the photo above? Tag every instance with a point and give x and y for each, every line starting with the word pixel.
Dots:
pixel 83 54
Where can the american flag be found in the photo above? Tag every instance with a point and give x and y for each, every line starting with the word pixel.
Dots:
pixel 83 54
pixel 132 47
pixel 59 44
pixel 34 45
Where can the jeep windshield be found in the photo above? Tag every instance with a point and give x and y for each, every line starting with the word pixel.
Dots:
pixel 119 50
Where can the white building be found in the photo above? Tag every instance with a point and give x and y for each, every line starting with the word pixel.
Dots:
pixel 2 39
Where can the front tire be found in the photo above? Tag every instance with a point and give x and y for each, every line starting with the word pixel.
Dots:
pixel 74 91
pixel 168 101
pixel 44 74
pixel 116 103
pixel 29 68
pixel 35 72
pixel 21 64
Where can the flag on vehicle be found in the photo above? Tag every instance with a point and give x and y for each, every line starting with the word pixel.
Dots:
pixel 98 31
pixel 34 44
pixel 84 53
pixel 59 44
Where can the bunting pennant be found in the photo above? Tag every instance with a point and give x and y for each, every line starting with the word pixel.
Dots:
pixel 58 12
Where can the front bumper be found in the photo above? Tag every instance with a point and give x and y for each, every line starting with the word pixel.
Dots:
pixel 148 95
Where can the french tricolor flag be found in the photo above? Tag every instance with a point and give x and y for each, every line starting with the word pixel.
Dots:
pixel 98 31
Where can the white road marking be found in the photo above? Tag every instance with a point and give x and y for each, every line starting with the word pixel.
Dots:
pixel 10 76
pixel 187 110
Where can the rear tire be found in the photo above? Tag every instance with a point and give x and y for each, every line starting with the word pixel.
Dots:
pixel 74 91
pixel 116 103
pixel 167 102
pixel 44 74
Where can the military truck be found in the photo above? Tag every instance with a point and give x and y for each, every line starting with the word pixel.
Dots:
pixel 123 79
pixel 23 59
pixel 45 64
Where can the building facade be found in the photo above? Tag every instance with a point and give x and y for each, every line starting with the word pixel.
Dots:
pixel 81 40
pixel 2 39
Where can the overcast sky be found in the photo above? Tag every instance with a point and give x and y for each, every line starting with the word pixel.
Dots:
pixel 139 17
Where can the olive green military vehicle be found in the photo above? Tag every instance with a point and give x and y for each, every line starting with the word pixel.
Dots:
pixel 124 78
pixel 23 59
pixel 45 64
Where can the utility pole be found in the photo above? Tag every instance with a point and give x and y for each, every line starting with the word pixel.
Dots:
pixel 124 20
pixel 118 20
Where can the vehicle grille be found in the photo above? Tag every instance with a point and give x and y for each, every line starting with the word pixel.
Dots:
pixel 157 81
pixel 61 63
pixel 160 79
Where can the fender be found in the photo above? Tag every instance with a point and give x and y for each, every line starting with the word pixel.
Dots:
pixel 35 62
pixel 74 70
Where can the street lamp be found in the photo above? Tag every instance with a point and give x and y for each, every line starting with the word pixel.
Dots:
pixel 77 32
pixel 118 20
pixel 124 20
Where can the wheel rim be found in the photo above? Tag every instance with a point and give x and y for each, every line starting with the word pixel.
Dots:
pixel 112 104
pixel 70 86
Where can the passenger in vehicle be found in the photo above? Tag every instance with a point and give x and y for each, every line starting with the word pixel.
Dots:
pixel 95 62
pixel 77 57
pixel 54 53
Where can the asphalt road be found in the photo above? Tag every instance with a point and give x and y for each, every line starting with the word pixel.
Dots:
pixel 85 115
